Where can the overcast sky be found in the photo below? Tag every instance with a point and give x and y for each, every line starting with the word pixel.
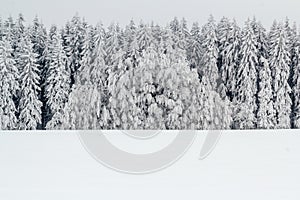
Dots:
pixel 160 11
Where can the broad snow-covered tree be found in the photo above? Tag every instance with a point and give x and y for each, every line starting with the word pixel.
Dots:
pixel 162 92
pixel 29 104
pixel 279 61
pixel 8 86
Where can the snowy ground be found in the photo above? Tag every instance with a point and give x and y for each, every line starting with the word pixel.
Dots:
pixel 244 165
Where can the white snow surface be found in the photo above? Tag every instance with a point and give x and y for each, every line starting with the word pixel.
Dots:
pixel 53 165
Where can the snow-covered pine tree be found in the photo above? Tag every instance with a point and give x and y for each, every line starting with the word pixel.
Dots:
pixel 229 46
pixel 180 33
pixel 8 86
pixel 2 29
pixel 144 37
pixel 29 104
pixel 209 50
pixel 291 33
pixel 245 100
pixel 38 36
pixel 89 111
pixel 114 44
pixel 73 42
pixel 98 68
pixel 9 26
pixel 292 43
pixel 279 61
pixel 38 39
pixel 216 112
pixel 157 33
pixel 131 46
pixel 114 56
pixel 296 86
pixel 57 83
pixel 223 28
pixel 18 31
pixel 265 110
pixel 194 47
pixel 98 76
pixel 129 37
pixel 86 55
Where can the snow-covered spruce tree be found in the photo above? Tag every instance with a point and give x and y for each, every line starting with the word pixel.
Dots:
pixel 279 61
pixel 88 111
pixel 292 45
pixel 8 86
pixel 265 110
pixel 57 83
pixel 296 86
pixel 98 69
pixel 114 55
pixel 157 33
pixel 209 50
pixel 86 54
pixel 216 110
pixel 2 29
pixel 194 47
pixel 131 46
pixel 223 28
pixel 38 39
pixel 9 26
pixel 180 33
pixel 38 36
pixel 291 33
pixel 18 31
pixel 29 104
pixel 144 37
pixel 245 100
pixel 98 76
pixel 229 47
pixel 73 41
pixel 130 40
pixel 113 47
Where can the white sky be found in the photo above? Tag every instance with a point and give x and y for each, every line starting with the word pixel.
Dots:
pixel 160 11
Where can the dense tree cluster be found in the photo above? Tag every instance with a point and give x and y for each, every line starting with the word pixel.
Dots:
pixel 145 76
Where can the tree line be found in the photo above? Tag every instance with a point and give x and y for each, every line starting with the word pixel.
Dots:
pixel 147 76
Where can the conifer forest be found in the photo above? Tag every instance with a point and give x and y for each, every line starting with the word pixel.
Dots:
pixel 217 75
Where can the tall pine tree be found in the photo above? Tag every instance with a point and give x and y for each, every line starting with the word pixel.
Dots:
pixel 29 105
pixel 246 89
pixel 279 61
